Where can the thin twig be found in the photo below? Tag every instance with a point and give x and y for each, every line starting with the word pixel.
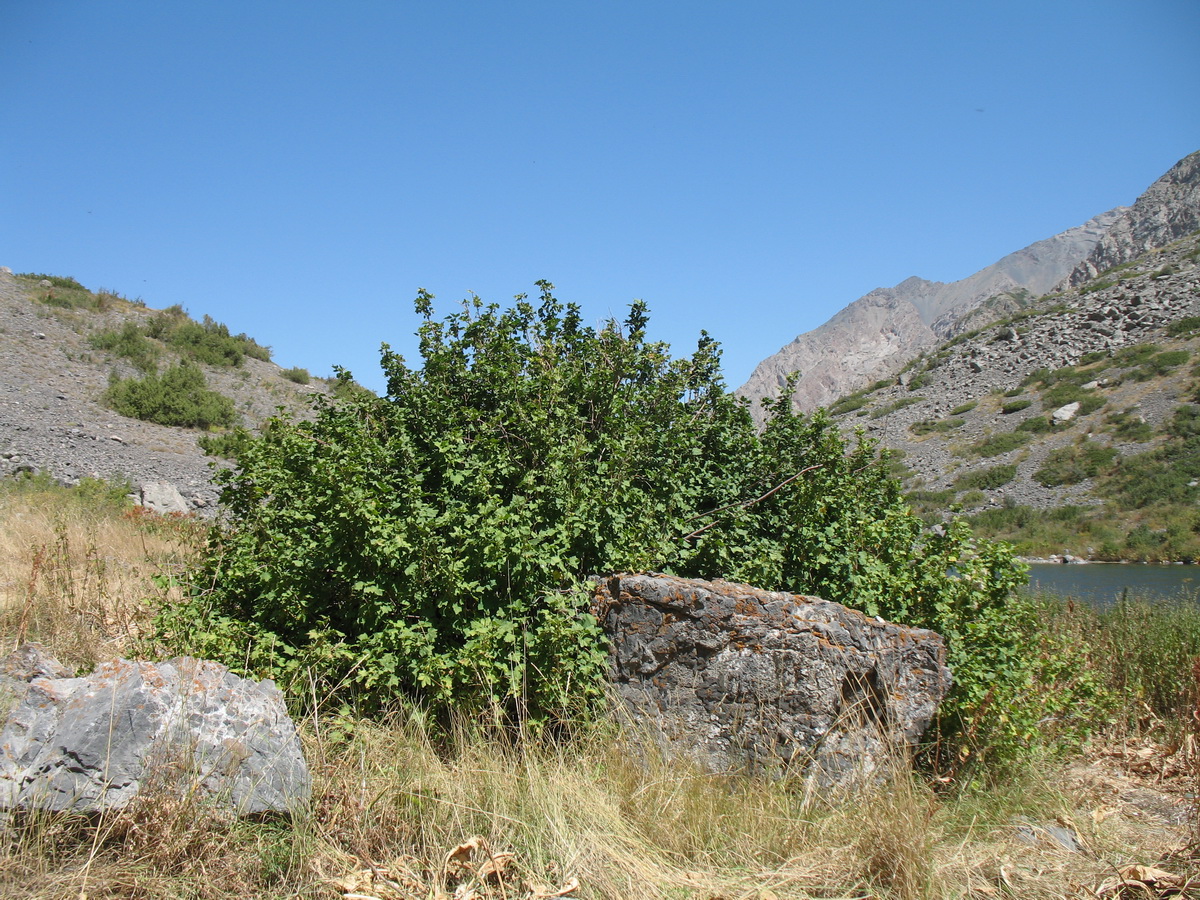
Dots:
pixel 744 504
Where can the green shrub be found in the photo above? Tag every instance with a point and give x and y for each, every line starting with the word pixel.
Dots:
pixel 888 408
pixel 1014 392
pixel 435 544
pixel 848 404
pixel 1092 357
pixel 964 408
pixel 997 444
pixel 128 343
pixel 1071 465
pixel 1129 426
pixel 297 374
pixel 1067 392
pixel 1036 425
pixel 1015 406
pixel 1185 326
pixel 179 397
pixel 1160 364
pixel 227 444
pixel 919 382
pixel 1135 355
pixel 928 426
pixel 207 341
pixel 986 479
pixel 63 292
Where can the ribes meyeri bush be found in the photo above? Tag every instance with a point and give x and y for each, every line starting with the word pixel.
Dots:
pixel 435 544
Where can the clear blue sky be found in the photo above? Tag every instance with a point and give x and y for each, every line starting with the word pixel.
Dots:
pixel 299 169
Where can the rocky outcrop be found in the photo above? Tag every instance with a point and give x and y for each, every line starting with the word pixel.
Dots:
pixel 743 679
pixel 877 334
pixel 185 726
pixel 1167 211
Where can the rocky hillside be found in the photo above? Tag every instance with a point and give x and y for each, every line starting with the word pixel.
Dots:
pixel 876 335
pixel 1169 210
pixel 53 378
pixel 1059 405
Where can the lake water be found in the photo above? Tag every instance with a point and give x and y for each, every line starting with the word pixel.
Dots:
pixel 1104 583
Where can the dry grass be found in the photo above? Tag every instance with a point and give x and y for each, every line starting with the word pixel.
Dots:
pixel 82 574
pixel 397 803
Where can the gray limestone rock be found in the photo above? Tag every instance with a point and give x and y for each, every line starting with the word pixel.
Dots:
pixel 185 726
pixel 740 678
pixel 162 497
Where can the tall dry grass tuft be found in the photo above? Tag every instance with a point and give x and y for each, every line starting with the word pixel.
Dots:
pixel 83 575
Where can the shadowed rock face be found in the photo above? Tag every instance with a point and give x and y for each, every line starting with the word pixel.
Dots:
pixel 183 726
pixel 743 679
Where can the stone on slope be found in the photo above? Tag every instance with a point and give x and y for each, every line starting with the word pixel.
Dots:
pixel 162 497
pixel 186 726
pixel 740 678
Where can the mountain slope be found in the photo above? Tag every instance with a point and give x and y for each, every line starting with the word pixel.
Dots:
pixel 52 379
pixel 1168 210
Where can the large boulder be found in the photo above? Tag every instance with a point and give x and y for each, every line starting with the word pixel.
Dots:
pixel 186 726
pixel 743 679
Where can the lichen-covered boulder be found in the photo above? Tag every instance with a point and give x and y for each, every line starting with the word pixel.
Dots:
pixel 186 726
pixel 744 679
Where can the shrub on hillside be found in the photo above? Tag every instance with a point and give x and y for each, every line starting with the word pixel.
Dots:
pixel 986 479
pixel 1073 464
pixel 997 444
pixel 207 341
pixel 436 544
pixel 128 343
pixel 296 374
pixel 179 397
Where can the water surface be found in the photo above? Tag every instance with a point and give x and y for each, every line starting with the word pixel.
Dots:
pixel 1105 583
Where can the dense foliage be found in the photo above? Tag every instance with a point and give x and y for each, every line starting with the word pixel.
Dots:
pixel 436 543
pixel 179 396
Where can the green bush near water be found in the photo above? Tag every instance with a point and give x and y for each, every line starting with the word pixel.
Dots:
pixel 435 544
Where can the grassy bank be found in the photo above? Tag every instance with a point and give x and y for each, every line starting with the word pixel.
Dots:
pixel 398 802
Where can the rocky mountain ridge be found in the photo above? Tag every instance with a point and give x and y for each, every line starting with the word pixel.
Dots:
pixel 1101 369
pixel 876 335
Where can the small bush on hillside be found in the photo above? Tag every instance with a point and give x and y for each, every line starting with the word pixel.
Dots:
pixel 227 444
pixel 1184 326
pixel 986 479
pixel 1015 406
pixel 1160 364
pixel 207 341
pixel 964 408
pixel 1071 465
pixel 128 343
pixel 63 292
pixel 997 444
pixel 178 397
pixel 848 404
pixel 297 374
pixel 1135 355
pixel 435 544
pixel 1127 425
pixel 929 426
pixel 1036 425
pixel 1067 392
pixel 895 405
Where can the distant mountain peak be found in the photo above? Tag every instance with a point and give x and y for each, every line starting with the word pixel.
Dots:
pixel 880 332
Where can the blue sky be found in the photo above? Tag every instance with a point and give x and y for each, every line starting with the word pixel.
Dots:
pixel 298 170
